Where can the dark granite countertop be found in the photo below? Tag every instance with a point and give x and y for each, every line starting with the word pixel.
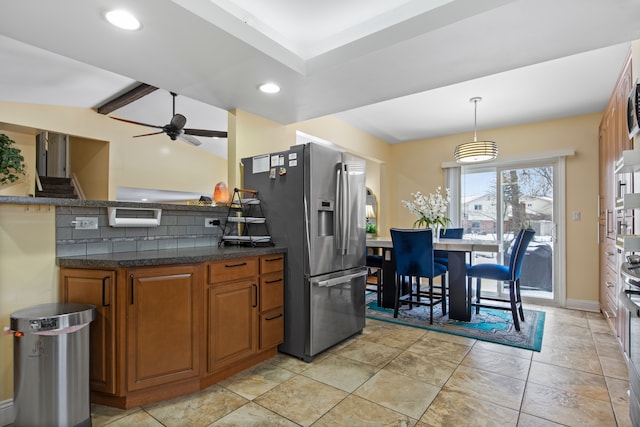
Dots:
pixel 166 256
pixel 47 201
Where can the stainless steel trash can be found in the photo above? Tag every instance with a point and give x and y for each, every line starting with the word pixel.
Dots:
pixel 51 364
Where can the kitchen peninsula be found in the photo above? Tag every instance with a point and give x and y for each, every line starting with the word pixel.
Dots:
pixel 176 312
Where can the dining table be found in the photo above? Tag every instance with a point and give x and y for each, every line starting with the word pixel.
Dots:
pixel 459 297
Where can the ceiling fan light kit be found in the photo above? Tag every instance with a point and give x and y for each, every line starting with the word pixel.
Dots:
pixel 176 130
pixel 476 151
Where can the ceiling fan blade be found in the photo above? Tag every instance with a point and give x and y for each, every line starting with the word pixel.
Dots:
pixel 148 134
pixel 136 123
pixel 190 139
pixel 178 121
pixel 207 133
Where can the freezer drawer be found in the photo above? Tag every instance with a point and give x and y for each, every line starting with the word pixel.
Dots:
pixel 337 308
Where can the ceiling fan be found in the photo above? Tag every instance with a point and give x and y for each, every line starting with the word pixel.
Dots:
pixel 176 130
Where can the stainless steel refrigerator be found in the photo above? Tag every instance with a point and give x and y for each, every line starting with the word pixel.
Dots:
pixel 313 197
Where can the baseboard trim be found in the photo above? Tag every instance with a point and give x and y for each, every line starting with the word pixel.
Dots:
pixel 6 412
pixel 585 305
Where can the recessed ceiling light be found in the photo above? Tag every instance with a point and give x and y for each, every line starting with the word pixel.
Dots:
pixel 269 88
pixel 123 19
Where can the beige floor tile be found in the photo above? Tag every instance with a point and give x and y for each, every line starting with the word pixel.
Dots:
pixel 457 339
pixel 103 415
pixel 355 411
pixel 252 415
pixel 423 367
pixel 289 363
pixel 527 420
pixel 197 409
pixel 138 419
pixel 440 349
pixel 568 343
pixel 399 393
pixel 614 367
pixel 563 329
pixel 451 408
pixel 585 361
pixel 369 352
pixel 569 380
pixel 256 380
pixel 487 386
pixel 511 366
pixel 566 408
pixel 301 399
pixel 505 349
pixel 341 372
pixel 397 337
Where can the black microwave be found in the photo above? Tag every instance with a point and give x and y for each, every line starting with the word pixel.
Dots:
pixel 633 111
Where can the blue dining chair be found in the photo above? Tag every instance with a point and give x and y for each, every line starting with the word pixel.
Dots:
pixel 506 273
pixel 375 261
pixel 413 257
pixel 440 256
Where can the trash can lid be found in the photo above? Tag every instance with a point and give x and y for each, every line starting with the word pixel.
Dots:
pixel 51 316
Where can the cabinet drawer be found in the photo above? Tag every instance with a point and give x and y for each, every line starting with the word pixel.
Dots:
pixel 271 263
pixel 271 328
pixel 271 291
pixel 232 269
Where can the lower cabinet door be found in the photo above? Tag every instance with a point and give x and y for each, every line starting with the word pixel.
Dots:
pixel 162 325
pixel 96 287
pixel 231 323
pixel 271 328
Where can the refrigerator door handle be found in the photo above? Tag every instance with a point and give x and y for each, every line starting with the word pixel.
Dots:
pixel 342 279
pixel 338 211
pixel 347 208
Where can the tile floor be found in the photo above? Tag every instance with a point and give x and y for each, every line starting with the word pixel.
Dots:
pixel 393 375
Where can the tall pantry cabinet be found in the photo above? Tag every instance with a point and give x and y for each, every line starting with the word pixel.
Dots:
pixel 613 140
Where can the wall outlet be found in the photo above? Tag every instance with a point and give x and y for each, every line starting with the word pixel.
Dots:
pixel 211 222
pixel 86 223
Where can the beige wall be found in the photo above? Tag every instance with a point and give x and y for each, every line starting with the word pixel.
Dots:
pixel 417 166
pixel 28 271
pixel 89 161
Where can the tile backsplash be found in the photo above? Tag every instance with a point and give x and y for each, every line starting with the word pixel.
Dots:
pixel 179 228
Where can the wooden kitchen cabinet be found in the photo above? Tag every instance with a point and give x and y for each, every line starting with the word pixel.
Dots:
pixel 165 331
pixel 163 328
pixel 613 140
pixel 271 301
pixel 245 313
pixel 96 287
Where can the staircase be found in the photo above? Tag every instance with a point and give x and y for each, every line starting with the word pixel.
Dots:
pixel 60 188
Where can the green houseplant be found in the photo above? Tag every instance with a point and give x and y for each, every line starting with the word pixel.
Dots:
pixel 11 161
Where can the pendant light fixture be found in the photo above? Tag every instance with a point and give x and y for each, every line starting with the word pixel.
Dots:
pixel 475 151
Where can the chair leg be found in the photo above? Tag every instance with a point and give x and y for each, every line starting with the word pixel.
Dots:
pixel 431 304
pixel 398 290
pixel 379 287
pixel 443 281
pixel 519 300
pixel 514 305
pixel 469 288
pixel 478 285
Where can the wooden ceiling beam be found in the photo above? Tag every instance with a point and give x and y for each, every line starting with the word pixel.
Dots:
pixel 134 94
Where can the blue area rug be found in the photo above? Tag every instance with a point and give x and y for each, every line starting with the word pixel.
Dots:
pixel 490 324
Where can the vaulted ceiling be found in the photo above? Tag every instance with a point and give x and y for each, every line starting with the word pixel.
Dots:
pixel 401 70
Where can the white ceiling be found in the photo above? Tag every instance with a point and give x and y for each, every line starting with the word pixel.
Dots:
pixel 401 70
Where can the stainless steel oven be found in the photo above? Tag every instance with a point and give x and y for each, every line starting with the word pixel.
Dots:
pixel 630 298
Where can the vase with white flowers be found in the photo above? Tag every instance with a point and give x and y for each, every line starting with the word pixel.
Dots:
pixel 431 210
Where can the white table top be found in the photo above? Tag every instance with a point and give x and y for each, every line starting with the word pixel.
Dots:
pixel 462 245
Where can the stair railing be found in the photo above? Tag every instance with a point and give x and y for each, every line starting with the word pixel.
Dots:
pixel 76 185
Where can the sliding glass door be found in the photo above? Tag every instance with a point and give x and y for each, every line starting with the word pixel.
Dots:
pixel 496 202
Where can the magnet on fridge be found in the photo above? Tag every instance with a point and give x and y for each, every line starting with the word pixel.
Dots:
pixel 283 171
pixel 272 173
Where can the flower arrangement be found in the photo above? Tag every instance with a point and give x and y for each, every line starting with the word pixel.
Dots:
pixel 431 210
